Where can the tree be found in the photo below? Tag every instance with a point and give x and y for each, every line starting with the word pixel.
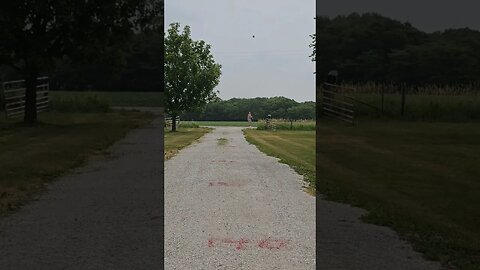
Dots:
pixel 304 110
pixel 312 45
pixel 191 73
pixel 36 33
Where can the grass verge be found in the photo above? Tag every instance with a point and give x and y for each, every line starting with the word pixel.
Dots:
pixel 31 156
pixel 221 123
pixel 295 148
pixel 175 141
pixel 421 179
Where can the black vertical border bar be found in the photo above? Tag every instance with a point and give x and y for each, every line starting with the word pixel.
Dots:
pixel 162 136
pixel 317 134
pixel 317 144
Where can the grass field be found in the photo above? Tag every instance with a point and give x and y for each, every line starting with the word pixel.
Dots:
pixel 134 99
pixel 279 123
pixel 420 106
pixel 295 148
pixel 422 179
pixel 283 124
pixel 175 141
pixel 30 156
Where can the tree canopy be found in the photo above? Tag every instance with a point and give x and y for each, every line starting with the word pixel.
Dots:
pixel 371 47
pixel 191 73
pixel 236 109
pixel 35 34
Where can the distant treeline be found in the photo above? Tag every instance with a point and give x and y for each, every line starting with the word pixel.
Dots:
pixel 236 109
pixel 129 65
pixel 371 47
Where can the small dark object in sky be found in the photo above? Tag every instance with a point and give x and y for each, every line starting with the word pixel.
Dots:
pixel 253 36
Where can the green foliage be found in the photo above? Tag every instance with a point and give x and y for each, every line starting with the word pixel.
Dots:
pixel 87 103
pixel 36 34
pixel 371 47
pixel 189 125
pixel 282 124
pixel 191 73
pixel 134 68
pixel 121 99
pixel 236 109
pixel 313 45
pixel 428 103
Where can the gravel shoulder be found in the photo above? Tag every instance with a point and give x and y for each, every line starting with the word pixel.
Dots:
pixel 229 206
pixel 105 215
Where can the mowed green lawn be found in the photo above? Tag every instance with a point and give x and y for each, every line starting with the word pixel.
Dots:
pixel 422 179
pixel 133 99
pixel 295 148
pixel 30 156
pixel 222 123
pixel 175 141
pixel 279 123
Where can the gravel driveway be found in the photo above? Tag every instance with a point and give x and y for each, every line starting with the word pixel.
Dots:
pixel 106 215
pixel 229 206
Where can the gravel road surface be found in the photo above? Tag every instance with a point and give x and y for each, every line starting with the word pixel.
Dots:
pixel 106 215
pixel 229 206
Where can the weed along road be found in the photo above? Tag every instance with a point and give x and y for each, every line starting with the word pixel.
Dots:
pixel 229 206
pixel 105 215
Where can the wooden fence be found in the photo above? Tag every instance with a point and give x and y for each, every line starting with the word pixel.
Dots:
pixel 168 121
pixel 13 96
pixel 337 105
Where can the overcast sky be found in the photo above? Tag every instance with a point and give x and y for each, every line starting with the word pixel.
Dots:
pixel 274 63
pixel 426 15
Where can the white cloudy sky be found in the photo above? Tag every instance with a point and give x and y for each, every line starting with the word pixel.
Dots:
pixel 274 63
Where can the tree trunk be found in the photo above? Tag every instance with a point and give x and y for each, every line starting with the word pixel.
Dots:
pixel 174 122
pixel 30 116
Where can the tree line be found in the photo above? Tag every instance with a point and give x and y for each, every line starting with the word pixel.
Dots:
pixel 39 37
pixel 132 65
pixel 371 47
pixel 236 109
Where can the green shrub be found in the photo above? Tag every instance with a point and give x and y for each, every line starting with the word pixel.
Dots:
pixel 189 125
pixel 281 124
pixel 79 103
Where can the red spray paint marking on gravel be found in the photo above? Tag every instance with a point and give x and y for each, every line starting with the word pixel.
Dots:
pixel 222 161
pixel 224 184
pixel 272 244
pixel 242 244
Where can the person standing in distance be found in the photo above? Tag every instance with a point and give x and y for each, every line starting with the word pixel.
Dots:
pixel 249 118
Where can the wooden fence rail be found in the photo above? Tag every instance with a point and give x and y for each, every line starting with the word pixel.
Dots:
pixel 337 105
pixel 13 96
pixel 168 121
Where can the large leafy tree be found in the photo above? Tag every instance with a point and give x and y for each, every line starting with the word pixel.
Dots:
pixel 36 33
pixel 191 73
